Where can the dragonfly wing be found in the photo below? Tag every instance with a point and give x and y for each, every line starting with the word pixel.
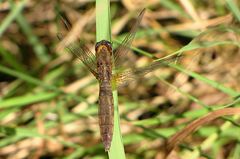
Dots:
pixel 123 48
pixel 123 78
pixel 79 49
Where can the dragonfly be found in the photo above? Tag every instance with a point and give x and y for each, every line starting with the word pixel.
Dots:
pixel 101 65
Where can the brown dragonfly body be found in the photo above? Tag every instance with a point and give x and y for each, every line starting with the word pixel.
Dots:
pixel 101 65
pixel 106 109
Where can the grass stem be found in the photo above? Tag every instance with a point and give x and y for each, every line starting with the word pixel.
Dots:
pixel 103 27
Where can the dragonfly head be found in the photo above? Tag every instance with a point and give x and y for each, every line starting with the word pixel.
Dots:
pixel 103 45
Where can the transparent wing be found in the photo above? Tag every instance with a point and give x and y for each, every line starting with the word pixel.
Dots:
pixel 85 55
pixel 79 49
pixel 123 48
pixel 202 42
pixel 123 78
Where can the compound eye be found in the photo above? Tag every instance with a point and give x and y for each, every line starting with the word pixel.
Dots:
pixel 109 44
pixel 97 45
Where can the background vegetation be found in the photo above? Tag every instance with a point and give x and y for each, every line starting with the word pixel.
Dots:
pixel 48 99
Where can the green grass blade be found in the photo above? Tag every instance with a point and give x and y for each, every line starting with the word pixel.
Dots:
pixel 26 99
pixel 14 13
pixel 103 20
pixel 38 48
pixel 25 77
pixel 117 148
pixel 38 82
pixel 104 33
pixel 233 7
pixel 236 151
pixel 5 112
pixel 212 83
pixel 173 6
pixel 11 60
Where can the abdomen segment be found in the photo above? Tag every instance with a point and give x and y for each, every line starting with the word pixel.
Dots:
pixel 106 114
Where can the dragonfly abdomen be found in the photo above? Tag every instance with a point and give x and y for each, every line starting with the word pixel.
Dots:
pixel 106 114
